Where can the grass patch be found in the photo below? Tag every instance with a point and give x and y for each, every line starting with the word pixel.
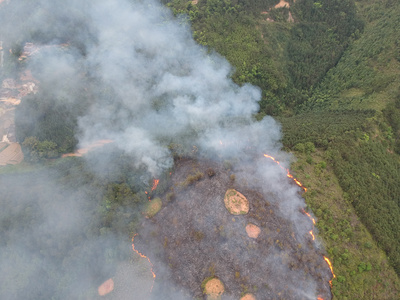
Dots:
pixel 153 207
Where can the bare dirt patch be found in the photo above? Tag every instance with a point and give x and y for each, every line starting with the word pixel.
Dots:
pixel 11 101
pixel 248 297
pixel 282 3
pixel 11 155
pixel 290 18
pixel 253 231
pixel 236 203
pixel 106 287
pixel 214 288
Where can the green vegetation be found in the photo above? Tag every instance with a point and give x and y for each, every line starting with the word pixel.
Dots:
pixel 49 129
pixel 286 60
pixel 367 74
pixel 367 170
pixel 360 266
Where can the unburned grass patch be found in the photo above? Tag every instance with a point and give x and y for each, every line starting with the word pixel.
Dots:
pixel 153 207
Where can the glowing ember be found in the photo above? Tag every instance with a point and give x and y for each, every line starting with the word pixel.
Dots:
pixel 148 259
pixel 155 183
pixel 287 172
pixel 311 218
pixel 312 234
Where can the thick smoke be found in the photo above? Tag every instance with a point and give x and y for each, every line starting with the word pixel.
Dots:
pixel 154 83
pixel 167 87
pixel 151 86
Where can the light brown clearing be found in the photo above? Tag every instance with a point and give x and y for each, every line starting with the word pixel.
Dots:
pixel 248 297
pixel 11 155
pixel 236 203
pixel 282 3
pixel 12 101
pixel 85 150
pixel 106 287
pixel 290 18
pixel 214 288
pixel 253 231
pixel 194 2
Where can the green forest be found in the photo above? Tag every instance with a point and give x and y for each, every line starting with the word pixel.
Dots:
pixel 329 73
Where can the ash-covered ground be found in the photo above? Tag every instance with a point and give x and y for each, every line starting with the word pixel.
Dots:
pixel 194 237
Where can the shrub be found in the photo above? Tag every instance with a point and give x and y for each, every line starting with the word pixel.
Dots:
pixel 193 178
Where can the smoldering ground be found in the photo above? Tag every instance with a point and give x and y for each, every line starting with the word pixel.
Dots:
pixel 199 238
pixel 138 78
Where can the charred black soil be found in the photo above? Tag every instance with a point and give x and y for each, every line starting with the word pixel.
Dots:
pixel 195 237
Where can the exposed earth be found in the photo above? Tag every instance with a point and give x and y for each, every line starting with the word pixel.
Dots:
pixel 11 93
pixel 214 288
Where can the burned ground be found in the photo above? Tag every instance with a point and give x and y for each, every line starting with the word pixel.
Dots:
pixel 196 237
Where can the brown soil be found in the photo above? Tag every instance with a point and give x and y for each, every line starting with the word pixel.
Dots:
pixel 236 203
pixel 248 297
pixel 282 3
pixel 12 101
pixel 253 231
pixel 214 288
pixel 290 18
pixel 106 287
pixel 11 155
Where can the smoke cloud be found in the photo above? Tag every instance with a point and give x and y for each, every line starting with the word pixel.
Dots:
pixel 150 86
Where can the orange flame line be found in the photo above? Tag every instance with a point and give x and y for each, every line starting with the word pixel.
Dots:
pixel 287 171
pixel 148 259
pixel 311 218
pixel 155 183
pixel 330 266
